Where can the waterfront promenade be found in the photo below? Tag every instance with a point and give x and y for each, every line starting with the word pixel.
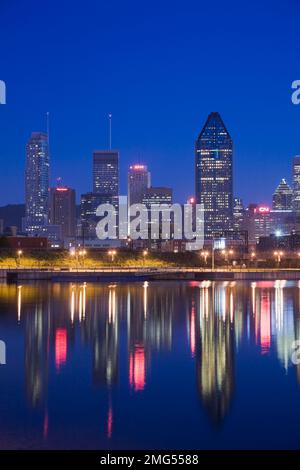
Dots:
pixel 106 274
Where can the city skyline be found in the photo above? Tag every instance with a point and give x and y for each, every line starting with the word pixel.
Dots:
pixel 157 109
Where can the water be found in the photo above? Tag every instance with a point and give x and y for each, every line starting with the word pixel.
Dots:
pixel 153 366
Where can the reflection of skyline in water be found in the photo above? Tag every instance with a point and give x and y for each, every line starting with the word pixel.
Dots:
pixel 137 322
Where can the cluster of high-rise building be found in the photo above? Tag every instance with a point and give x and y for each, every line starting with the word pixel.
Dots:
pixel 52 212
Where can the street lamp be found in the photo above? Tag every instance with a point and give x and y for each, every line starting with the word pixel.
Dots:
pixel 145 254
pixel 204 255
pixel 112 253
pixel 224 253
pixel 278 255
pixel 82 254
pixel 19 253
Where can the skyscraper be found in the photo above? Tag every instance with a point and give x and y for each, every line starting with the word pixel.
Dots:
pixel 283 196
pixel 213 175
pixel 63 210
pixel 139 179
pixel 153 197
pixel 37 182
pixel 296 183
pixel 88 207
pixel 238 214
pixel 106 172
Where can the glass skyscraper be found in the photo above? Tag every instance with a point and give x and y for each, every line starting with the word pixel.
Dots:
pixel 296 183
pixel 283 196
pixel 213 176
pixel 37 183
pixel 139 179
pixel 106 172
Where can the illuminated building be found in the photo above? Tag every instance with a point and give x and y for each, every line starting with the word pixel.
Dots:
pixel 258 222
pixel 213 175
pixel 296 183
pixel 106 173
pixel 283 196
pixel 238 214
pixel 159 195
pixel 37 183
pixel 88 207
pixel 139 179
pixel 151 198
pixel 63 210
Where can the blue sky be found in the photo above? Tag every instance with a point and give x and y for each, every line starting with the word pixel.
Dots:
pixel 160 67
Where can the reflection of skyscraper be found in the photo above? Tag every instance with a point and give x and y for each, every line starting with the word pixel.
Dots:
pixel 36 358
pixel 37 182
pixel 213 175
pixel 105 340
pixel 215 357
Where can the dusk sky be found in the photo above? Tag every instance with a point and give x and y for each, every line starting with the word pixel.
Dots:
pixel 160 68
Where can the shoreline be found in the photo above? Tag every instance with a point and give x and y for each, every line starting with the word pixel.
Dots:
pixel 147 274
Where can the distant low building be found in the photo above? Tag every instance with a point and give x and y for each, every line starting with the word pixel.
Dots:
pixel 290 243
pixel 258 222
pixel 27 243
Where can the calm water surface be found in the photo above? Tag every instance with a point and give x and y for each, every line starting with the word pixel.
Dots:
pixel 158 365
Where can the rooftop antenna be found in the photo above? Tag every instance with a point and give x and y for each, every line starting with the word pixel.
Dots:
pixel 109 120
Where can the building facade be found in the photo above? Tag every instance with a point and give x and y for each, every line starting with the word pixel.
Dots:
pixel 63 210
pixel 258 222
pixel 283 196
pixel 238 214
pixel 214 176
pixel 139 180
pixel 151 198
pixel 106 173
pixel 37 174
pixel 296 183
pixel 88 206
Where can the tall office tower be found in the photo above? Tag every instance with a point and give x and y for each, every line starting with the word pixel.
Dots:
pixel 152 197
pixel 37 183
pixel 296 183
pixel 283 197
pixel 238 214
pixel 213 175
pixel 139 179
pixel 63 210
pixel 106 172
pixel 88 207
